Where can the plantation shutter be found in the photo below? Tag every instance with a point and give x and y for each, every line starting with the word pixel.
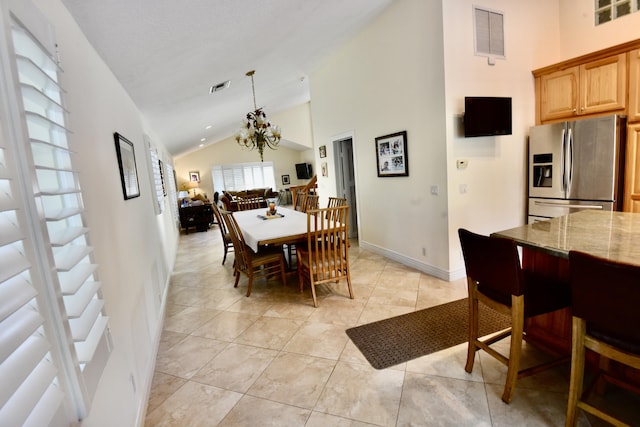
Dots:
pixel 29 390
pixel 62 253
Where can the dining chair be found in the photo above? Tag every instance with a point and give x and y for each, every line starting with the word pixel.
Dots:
pixel 336 201
pixel 311 202
pixel 248 203
pixel 301 201
pixel 227 244
pixel 267 262
pixel 604 304
pixel 325 258
pixel 496 279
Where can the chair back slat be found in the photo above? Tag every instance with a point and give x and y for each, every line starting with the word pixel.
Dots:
pixel 336 201
pixel 248 203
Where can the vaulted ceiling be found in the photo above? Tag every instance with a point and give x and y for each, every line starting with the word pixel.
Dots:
pixel 167 54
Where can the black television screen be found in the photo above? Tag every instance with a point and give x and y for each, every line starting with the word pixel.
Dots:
pixel 303 170
pixel 486 116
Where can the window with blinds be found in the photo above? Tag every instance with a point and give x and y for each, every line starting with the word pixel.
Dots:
pixel 68 290
pixel 243 176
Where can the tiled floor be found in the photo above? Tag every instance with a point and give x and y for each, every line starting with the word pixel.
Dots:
pixel 273 359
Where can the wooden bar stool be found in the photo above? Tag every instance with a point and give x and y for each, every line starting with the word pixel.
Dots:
pixel 606 317
pixel 495 278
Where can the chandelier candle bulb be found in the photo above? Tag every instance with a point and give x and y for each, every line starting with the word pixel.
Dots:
pixel 256 131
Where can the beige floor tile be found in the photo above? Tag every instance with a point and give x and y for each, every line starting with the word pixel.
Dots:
pixel 189 355
pixel 431 400
pixel 269 332
pixel 253 411
pixel 162 386
pixel 293 379
pixel 447 363
pixel 194 405
pixel 318 419
pixel 189 319
pixel 319 340
pixel 227 326
pixel 236 367
pixel 390 296
pixel 361 393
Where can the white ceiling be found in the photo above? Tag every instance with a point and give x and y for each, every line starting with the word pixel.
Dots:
pixel 167 54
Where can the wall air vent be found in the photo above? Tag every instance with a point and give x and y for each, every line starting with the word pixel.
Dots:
pixel 489 33
pixel 219 86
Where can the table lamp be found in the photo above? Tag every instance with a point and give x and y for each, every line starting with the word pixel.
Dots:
pixel 182 195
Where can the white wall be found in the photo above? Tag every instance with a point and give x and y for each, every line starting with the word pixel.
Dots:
pixel 495 177
pixel 134 248
pixel 579 35
pixel 390 78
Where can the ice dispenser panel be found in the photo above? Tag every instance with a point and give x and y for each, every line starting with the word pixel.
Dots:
pixel 542 170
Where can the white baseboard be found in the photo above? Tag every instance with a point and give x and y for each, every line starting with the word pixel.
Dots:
pixel 413 263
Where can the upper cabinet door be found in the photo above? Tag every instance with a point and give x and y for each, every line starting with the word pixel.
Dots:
pixel 559 94
pixel 603 85
pixel 634 85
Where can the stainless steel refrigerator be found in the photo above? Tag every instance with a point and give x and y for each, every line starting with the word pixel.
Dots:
pixel 576 165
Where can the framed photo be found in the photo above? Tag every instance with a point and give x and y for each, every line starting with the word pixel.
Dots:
pixel 194 176
pixel 324 169
pixel 285 180
pixel 127 165
pixel 391 155
pixel 323 151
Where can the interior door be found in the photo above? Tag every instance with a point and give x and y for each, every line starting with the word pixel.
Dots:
pixel 346 180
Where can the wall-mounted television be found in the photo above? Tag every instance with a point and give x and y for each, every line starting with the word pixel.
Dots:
pixel 303 170
pixel 486 116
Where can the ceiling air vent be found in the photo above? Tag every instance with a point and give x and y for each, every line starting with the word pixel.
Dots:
pixel 219 86
pixel 489 33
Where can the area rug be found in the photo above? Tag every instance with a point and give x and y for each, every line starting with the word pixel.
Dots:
pixel 402 338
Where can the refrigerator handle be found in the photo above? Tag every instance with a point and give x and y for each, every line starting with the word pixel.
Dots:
pixel 570 161
pixel 562 164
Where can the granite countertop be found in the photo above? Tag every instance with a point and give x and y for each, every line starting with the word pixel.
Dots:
pixel 611 235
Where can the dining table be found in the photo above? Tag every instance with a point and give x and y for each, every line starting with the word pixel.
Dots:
pixel 260 229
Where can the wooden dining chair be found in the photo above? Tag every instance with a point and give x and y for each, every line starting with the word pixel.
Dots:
pixel 325 258
pixel 301 201
pixel 227 244
pixel 496 279
pixel 248 203
pixel 267 263
pixel 336 201
pixel 604 305
pixel 311 202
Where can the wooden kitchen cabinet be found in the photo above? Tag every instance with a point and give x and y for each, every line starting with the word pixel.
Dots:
pixel 632 170
pixel 634 86
pixel 593 87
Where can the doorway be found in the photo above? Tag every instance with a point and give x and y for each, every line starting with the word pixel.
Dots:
pixel 346 180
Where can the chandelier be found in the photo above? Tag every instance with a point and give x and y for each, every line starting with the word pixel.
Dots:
pixel 256 131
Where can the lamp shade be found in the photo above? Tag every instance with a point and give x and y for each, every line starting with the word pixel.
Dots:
pixel 183 194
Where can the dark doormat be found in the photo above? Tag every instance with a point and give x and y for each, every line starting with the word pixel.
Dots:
pixel 402 338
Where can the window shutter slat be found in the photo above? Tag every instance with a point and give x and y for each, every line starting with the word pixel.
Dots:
pixel 14 293
pixel 12 262
pixel 81 326
pixel 72 280
pixel 15 370
pixel 87 348
pixel 16 329
pixel 77 302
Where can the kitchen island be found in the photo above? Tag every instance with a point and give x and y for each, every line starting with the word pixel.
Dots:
pixel 546 245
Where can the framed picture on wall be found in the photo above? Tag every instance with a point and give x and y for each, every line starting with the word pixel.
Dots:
pixel 391 155
pixel 127 164
pixel 194 176
pixel 323 151
pixel 286 180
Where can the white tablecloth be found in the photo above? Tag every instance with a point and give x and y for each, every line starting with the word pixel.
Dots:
pixel 255 229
